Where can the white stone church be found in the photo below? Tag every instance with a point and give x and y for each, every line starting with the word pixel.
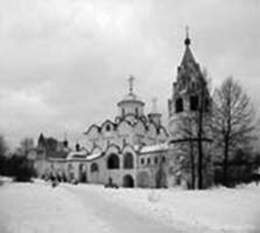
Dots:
pixel 134 149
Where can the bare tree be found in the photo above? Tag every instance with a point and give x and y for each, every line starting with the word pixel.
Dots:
pixel 26 145
pixel 233 120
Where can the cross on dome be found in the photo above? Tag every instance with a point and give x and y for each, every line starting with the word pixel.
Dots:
pixel 131 83
pixel 154 105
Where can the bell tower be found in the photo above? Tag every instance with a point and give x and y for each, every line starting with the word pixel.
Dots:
pixel 186 90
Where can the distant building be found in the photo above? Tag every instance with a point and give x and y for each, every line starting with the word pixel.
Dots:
pixel 135 149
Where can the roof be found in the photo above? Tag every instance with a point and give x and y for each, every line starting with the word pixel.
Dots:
pixel 94 156
pixel 57 154
pixel 154 148
pixel 77 155
pixel 188 57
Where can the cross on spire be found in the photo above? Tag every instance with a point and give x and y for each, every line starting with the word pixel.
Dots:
pixel 131 83
pixel 187 31
pixel 154 105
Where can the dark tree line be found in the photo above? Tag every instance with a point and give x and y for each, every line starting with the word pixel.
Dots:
pixel 18 167
pixel 15 165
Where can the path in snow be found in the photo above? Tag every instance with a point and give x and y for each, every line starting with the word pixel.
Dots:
pixel 119 217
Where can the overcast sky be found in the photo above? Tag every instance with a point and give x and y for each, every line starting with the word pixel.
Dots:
pixel 64 64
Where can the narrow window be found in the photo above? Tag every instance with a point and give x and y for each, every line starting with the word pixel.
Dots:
pixel 163 159
pixel 136 112
pixel 148 161
pixel 194 103
pixel 124 141
pixel 108 128
pixel 179 105
pixel 123 112
pixel 128 161
pixel 193 86
pixel 142 160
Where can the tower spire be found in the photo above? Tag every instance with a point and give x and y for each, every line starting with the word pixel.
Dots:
pixel 187 40
pixel 188 56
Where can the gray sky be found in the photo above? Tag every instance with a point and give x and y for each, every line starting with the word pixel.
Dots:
pixel 64 64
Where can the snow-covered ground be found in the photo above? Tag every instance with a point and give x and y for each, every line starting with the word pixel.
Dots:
pixel 38 208
pixel 215 210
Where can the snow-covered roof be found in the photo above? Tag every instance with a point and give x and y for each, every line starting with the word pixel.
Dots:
pixel 55 159
pixel 93 156
pixel 77 155
pixel 154 148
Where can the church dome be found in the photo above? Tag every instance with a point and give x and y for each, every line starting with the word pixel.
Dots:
pixel 131 97
pixel 131 103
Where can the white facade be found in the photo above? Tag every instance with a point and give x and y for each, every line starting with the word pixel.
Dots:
pixel 135 149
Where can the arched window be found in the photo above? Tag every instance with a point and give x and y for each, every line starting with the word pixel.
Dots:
pixel 142 161
pixel 113 162
pixel 179 105
pixel 108 128
pixel 155 160
pixel 128 161
pixel 163 159
pixel 148 161
pixel 94 167
pixel 194 103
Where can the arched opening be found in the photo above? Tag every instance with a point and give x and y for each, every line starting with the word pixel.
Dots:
pixel 128 161
pixel 179 105
pixel 113 162
pixel 128 181
pixel 82 173
pixel 94 177
pixel 94 167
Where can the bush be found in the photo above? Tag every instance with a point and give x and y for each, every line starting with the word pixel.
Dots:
pixel 18 167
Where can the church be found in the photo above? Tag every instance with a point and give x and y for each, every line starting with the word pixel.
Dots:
pixel 134 149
